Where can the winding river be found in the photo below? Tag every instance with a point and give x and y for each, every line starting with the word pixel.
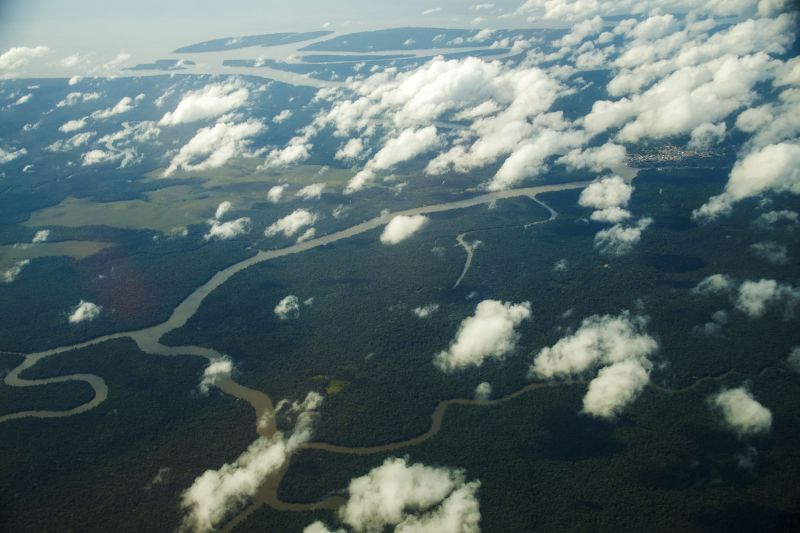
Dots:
pixel 148 340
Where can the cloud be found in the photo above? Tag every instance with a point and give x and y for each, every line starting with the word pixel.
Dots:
pixel 617 345
pixel 213 146
pixel 615 387
pixel 601 340
pixel 706 136
pixel 310 233
pixel 607 156
pixel 481 36
pixel 216 370
pixel 222 209
pixel 741 412
pixel 288 308
pixel 123 106
pixel 275 193
pixel 431 11
pixel 653 28
pixel 775 168
pixel 501 99
pixel 351 150
pixel 73 125
pixel 426 311
pixel 402 227
pixel 216 493
pixel 297 150
pixel 775 122
pixel 23 99
pixel 11 274
pixel 292 223
pixel 607 196
pixel 311 192
pixel 119 146
pixel 754 118
pixel 794 359
pixel 488 334
pixel 411 498
pixel 131 136
pixel 84 312
pixel 581 31
pixel 210 102
pixel 772 218
pixel 228 230
pixel 74 142
pixel 72 61
pixel 612 215
pixel 714 284
pixel 98 157
pixel 684 100
pixel 19 56
pixel 483 391
pixel 620 240
pixel 408 144
pixel 41 236
pixel 755 297
pixel 283 116
pixel 7 156
pixel 571 10
pixel 550 135
pixel 718 320
pixel 771 251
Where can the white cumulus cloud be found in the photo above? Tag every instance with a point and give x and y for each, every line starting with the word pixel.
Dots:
pixel 216 370
pixel 292 223
pixel 410 498
pixel 214 146
pixel 311 192
pixel 216 493
pixel 288 307
pixel 19 56
pixel 425 311
pixel 483 391
pixel 488 334
pixel 714 284
pixel 774 168
pixel 756 297
pixel 275 193
pixel 616 345
pixel 771 251
pixel 6 156
pixel 41 236
pixel 210 102
pixel 84 312
pixel 619 239
pixel 123 106
pixel 73 125
pixel 402 227
pixel 11 273
pixel 741 412
pixel 228 230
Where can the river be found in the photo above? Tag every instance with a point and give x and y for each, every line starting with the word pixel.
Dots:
pixel 148 340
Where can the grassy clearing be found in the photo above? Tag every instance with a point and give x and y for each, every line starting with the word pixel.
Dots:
pixel 178 206
pixel 10 254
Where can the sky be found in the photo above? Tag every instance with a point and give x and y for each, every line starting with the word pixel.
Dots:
pixel 147 26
